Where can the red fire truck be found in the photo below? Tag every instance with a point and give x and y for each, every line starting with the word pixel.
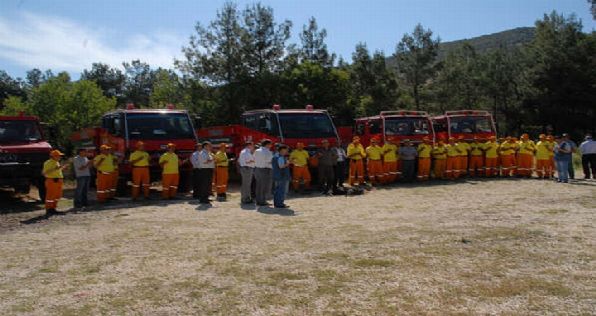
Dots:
pixel 23 150
pixel 122 129
pixel 466 123
pixel 400 125
pixel 309 126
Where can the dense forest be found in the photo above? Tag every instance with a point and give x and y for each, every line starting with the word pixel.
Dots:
pixel 540 79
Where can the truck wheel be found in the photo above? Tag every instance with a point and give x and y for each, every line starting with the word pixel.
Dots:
pixel 41 188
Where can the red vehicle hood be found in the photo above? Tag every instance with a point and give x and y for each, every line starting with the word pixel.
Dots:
pixel 35 147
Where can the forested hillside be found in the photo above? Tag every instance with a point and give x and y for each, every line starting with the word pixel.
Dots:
pixel 540 79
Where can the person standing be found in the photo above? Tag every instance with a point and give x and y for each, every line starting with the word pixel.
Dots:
pixel 340 167
pixel 299 158
pixel 356 155
pixel 104 165
pixel 246 163
pixel 194 161
pixel 374 153
pixel 115 158
pixel 170 175
pixel 139 159
pixel 491 157
pixel 573 147
pixel 543 151
pixel 206 169
pixel 327 161
pixel 562 152
pixel 507 154
pixel 408 154
pixel 525 160
pixel 439 154
pixel 588 152
pixel 390 158
pixel 281 176
pixel 476 165
pixel 464 152
pixel 452 166
pixel 424 152
pixel 263 176
pixel 82 170
pixel 52 171
pixel 552 165
pixel 221 172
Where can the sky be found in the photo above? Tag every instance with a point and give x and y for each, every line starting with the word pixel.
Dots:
pixel 69 35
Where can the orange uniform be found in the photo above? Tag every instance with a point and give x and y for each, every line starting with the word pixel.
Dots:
pixel 140 172
pixel 299 158
pixel 424 154
pixel 170 175
pixel 356 154
pixel 375 166
pixel 476 165
pixel 52 171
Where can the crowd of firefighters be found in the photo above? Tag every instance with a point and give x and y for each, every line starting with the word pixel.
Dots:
pixel 378 163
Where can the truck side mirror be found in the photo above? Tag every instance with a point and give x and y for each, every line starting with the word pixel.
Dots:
pixel 197 122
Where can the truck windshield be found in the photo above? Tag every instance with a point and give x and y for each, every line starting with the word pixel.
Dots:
pixel 470 124
pixel 19 131
pixel 159 126
pixel 403 126
pixel 306 125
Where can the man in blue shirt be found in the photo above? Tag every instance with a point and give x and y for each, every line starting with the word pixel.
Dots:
pixel 562 151
pixel 281 176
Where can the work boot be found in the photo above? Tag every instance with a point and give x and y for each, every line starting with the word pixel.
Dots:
pixel 51 212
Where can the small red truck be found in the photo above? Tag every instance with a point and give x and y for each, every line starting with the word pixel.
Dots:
pixel 401 124
pixel 123 128
pixel 23 150
pixel 466 123
pixel 289 126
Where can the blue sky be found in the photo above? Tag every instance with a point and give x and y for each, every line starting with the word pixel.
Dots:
pixel 71 34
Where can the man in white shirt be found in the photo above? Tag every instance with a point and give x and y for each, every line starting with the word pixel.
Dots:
pixel 246 162
pixel 588 151
pixel 206 166
pixel 263 175
pixel 194 160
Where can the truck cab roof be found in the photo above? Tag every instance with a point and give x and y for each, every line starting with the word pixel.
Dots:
pixel 145 111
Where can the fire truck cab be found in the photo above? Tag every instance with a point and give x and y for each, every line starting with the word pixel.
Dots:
pixel 287 126
pixel 402 124
pixel 123 128
pixel 466 123
pixel 23 150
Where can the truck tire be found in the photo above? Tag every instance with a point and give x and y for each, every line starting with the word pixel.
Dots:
pixel 41 188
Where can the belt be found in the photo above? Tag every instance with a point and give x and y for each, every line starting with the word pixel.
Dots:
pixel 375 159
pixel 222 166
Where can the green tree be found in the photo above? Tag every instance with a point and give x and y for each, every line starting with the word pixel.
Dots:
pixel 9 87
pixel 313 47
pixel 167 88
pixel 459 81
pixel 110 80
pixel 415 57
pixel 138 82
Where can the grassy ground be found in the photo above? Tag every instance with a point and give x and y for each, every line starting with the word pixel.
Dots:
pixel 475 247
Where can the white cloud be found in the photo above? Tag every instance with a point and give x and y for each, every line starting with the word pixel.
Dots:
pixel 33 40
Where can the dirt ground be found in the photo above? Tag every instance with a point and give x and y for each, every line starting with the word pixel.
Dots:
pixel 472 247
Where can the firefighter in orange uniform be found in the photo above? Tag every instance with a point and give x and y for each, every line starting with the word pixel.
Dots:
pixel 221 172
pixel 507 154
pixel 356 154
pixel 515 145
pixel 170 176
pixel 464 151
pixel 52 171
pixel 452 165
pixel 390 158
pixel 476 165
pixel 491 156
pixel 104 165
pixel 299 158
pixel 374 153
pixel 424 153
pixel 114 175
pixel 526 152
pixel 139 159
pixel 439 154
pixel 543 150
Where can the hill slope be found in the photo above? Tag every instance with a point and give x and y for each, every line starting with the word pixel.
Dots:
pixel 509 38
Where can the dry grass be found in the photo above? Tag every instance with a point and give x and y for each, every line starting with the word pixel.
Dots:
pixel 477 247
